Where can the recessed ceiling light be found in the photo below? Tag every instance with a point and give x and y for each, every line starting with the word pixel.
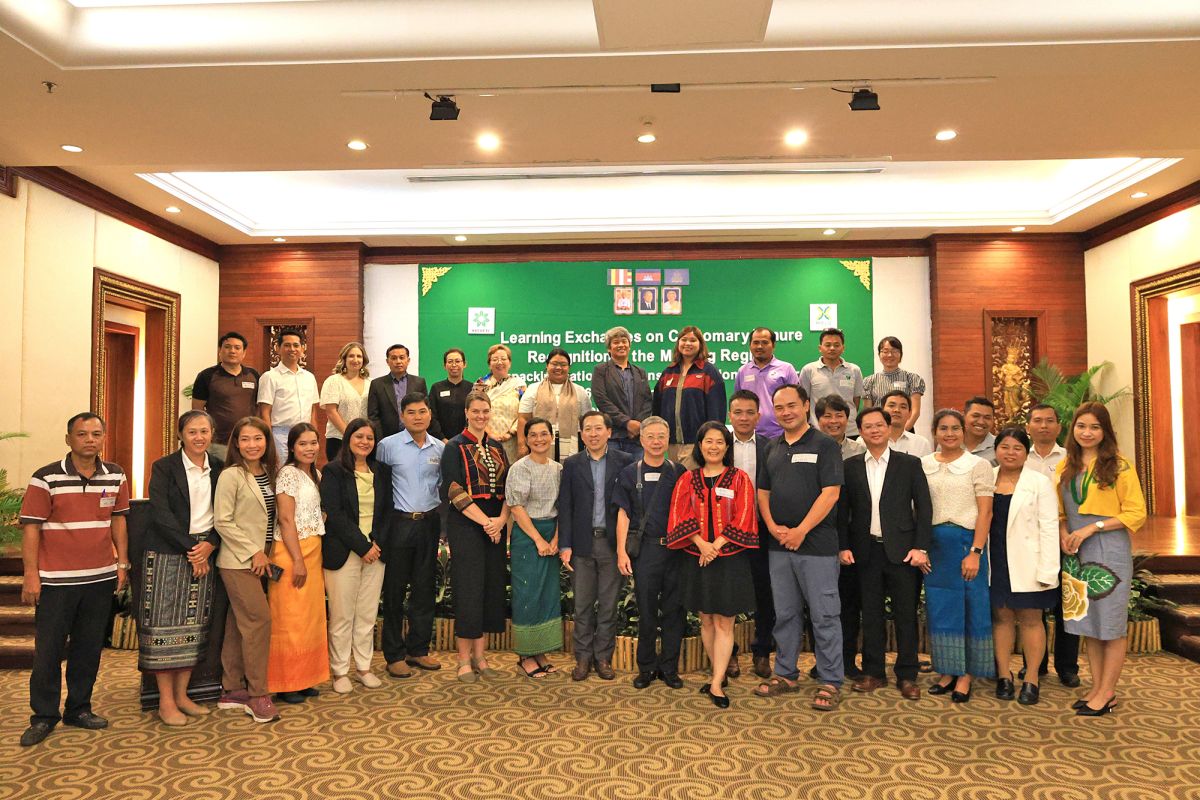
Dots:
pixel 1139 195
pixel 460 238
pixel 795 138
pixel 829 231
pixel 279 239
pixel 1018 229
pixel 647 138
pixel 488 141
pixel 946 135
pixel 72 148
pixel 173 209
pixel 356 144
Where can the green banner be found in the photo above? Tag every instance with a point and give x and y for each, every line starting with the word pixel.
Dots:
pixel 535 306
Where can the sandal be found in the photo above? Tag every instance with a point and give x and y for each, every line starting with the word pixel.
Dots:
pixel 537 672
pixel 548 668
pixel 469 676
pixel 486 672
pixel 775 687
pixel 826 698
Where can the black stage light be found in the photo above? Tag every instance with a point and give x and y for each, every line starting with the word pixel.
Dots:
pixel 664 88
pixel 443 107
pixel 864 100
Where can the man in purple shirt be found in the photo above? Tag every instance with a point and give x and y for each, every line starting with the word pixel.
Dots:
pixel 763 375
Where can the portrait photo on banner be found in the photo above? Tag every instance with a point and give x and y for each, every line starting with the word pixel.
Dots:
pixel 647 300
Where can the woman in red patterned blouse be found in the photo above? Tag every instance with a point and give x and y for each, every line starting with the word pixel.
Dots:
pixel 713 519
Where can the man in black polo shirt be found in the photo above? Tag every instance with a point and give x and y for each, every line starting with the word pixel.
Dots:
pixel 798 488
pixel 643 499
pixel 228 391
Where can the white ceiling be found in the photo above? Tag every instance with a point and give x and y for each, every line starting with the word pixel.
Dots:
pixel 1062 111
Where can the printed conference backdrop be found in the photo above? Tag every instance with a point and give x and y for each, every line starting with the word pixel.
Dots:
pixel 533 307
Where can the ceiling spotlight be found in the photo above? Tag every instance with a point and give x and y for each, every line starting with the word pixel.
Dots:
pixel 647 135
pixel 72 148
pixel 173 209
pixel 829 232
pixel 1018 229
pixel 279 239
pixel 488 141
pixel 460 238
pixel 443 108
pixel 864 100
pixel 1139 195
pixel 356 144
pixel 946 135
pixel 795 138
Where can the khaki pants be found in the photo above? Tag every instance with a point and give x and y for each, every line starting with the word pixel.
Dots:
pixel 682 453
pixel 353 593
pixel 247 642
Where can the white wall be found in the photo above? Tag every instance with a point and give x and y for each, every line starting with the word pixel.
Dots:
pixel 900 308
pixel 49 246
pixel 390 317
pixel 1165 245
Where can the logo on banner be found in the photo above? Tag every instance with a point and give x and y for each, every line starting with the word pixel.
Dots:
pixel 482 321
pixel 822 316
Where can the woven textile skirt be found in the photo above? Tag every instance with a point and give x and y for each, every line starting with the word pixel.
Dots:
pixel 536 603
pixel 174 612
pixel 959 611
pixel 299 655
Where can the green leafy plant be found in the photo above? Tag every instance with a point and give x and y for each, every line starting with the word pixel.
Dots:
pixel 10 501
pixel 1064 394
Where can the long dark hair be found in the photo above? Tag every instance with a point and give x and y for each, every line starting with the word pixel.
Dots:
pixel 713 425
pixel 298 430
pixel 346 458
pixel 270 458
pixel 1108 463
pixel 701 354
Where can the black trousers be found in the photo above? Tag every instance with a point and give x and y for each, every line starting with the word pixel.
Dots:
pixel 660 605
pixel 478 576
pixel 69 623
pixel 879 577
pixel 848 590
pixel 764 603
pixel 409 569
pixel 1066 647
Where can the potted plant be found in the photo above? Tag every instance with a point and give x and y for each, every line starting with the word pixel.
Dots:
pixel 10 508
pixel 1064 394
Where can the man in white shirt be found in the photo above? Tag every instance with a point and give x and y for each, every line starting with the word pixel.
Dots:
pixel 1043 428
pixel 899 405
pixel 287 393
pixel 748 449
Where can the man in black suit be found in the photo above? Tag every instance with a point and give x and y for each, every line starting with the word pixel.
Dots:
pixel 749 448
pixel 587 540
pixel 385 394
pixel 885 526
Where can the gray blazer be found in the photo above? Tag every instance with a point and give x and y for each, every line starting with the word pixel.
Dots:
pixel 240 517
pixel 608 393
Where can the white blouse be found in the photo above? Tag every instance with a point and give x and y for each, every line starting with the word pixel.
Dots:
pixel 350 404
pixel 954 486
pixel 296 484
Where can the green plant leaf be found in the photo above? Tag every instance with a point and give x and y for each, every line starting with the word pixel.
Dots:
pixel 1070 565
pixel 1100 580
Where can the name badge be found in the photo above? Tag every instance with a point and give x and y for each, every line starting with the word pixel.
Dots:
pixel 750 378
pixel 108 502
pixel 435 460
pixel 652 477
pixel 898 384
pixel 804 458
pixel 724 492
pixel 446 393
pixel 247 384
pixel 847 381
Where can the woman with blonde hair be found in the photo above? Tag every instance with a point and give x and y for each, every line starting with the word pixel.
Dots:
pixel 505 392
pixel 344 395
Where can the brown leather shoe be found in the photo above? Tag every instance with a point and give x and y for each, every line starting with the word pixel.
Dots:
pixel 909 690
pixel 605 671
pixel 762 666
pixel 734 670
pixel 398 669
pixel 423 662
pixel 868 684
pixel 582 667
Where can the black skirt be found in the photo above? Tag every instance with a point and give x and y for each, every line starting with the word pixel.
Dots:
pixel 724 587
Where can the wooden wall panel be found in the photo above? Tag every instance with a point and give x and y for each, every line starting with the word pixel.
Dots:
pixel 971 274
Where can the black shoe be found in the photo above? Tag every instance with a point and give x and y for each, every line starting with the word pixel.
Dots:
pixel 643 680
pixel 1029 694
pixel 86 720
pixel 961 697
pixel 311 691
pixel 1005 690
pixel 853 672
pixel 1041 673
pixel 1069 679
pixel 35 733
pixel 671 679
pixel 294 698
pixel 944 688
pixel 812 673
pixel 1088 711
pixel 924 666
pixel 720 701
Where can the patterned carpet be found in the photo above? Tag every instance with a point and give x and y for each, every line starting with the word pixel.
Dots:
pixel 430 737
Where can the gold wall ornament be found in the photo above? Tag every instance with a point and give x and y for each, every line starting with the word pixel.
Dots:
pixel 1011 344
pixel 429 276
pixel 862 270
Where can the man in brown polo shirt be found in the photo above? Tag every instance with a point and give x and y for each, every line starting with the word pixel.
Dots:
pixel 228 390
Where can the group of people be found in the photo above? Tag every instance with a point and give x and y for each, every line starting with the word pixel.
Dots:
pixel 817 497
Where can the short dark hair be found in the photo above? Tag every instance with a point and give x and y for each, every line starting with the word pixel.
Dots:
pixel 896 393
pixel 299 334
pixel 233 335
pixel 978 400
pixel 558 351
pixel 446 354
pixel 872 410
pixel 412 398
pixel 1044 407
pixel 345 457
pixel 832 332
pixel 947 412
pixel 388 352
pixel 186 417
pixel 529 423
pixel 890 340
pixel 832 402
pixel 1013 432
pixel 763 328
pixel 84 416
pixel 595 412
pixel 744 394
pixel 713 425
pixel 800 390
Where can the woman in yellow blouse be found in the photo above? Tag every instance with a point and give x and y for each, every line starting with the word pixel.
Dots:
pixel 1101 505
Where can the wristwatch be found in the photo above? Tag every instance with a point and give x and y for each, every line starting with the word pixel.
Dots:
pixel 125 566
pixel 977 550
pixel 1100 525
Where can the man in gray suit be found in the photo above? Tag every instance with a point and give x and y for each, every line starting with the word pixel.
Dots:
pixel 621 389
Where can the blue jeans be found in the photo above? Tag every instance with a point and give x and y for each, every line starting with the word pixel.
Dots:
pixel 631 446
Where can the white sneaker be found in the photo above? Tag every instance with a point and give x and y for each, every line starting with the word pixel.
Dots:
pixel 342 684
pixel 369 680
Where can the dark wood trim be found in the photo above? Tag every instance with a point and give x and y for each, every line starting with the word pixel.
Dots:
pixel 664 251
pixel 8 182
pixel 89 194
pixel 1161 208
pixel 1016 238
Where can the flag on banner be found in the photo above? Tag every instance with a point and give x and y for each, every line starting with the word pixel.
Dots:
pixel 620 277
pixel 649 277
pixel 677 277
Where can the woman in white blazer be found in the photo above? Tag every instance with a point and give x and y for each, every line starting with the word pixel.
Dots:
pixel 1023 553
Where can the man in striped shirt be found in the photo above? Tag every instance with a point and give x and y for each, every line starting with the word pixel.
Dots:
pixel 75 548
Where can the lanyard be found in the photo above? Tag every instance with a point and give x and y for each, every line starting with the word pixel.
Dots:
pixel 1086 482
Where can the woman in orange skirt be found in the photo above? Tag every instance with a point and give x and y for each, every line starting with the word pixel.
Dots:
pixel 299 656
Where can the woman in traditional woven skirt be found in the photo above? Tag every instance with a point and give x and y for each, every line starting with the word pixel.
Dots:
pixel 532 494
pixel 177 575
pixel 299 657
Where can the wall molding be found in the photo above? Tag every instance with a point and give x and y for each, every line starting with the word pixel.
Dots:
pixel 8 181
pixel 1147 214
